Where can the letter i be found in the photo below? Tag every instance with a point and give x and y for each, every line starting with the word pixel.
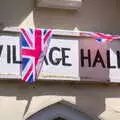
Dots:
pixel 8 54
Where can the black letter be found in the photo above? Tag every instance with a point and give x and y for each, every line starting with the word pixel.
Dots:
pixel 85 57
pixel 1 47
pixel 57 60
pixel 98 59
pixel 118 58
pixel 45 59
pixel 8 54
pixel 108 60
pixel 14 55
pixel 65 56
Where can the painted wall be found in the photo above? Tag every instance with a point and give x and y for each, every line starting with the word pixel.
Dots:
pixel 93 15
pixel 19 100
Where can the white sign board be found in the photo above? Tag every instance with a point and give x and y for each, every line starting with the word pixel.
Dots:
pixel 67 58
pixel 9 56
pixel 61 61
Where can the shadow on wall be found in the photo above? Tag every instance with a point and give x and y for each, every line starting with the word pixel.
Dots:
pixel 93 15
pixel 89 99
pixel 13 12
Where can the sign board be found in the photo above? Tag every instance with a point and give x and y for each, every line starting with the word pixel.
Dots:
pixel 9 56
pixel 99 62
pixel 62 60
pixel 68 58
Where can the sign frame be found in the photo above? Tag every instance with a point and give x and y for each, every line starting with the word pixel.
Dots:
pixel 74 35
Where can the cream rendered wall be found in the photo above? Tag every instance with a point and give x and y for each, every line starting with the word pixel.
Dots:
pixel 19 100
pixel 93 15
pixel 13 12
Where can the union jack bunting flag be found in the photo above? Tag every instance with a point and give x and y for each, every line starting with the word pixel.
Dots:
pixel 34 44
pixel 100 37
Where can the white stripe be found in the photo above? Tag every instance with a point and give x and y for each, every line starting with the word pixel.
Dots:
pixel 42 37
pixel 27 48
pixel 33 71
pixel 27 67
pixel 30 35
pixel 26 40
pixel 34 75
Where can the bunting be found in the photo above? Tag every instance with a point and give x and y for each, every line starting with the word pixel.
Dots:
pixel 34 44
pixel 100 37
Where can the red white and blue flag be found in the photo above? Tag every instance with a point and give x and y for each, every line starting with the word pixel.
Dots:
pixel 100 37
pixel 34 44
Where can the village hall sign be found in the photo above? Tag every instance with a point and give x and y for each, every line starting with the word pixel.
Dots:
pixel 68 58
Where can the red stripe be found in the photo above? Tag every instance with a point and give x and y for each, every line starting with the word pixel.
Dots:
pixel 28 52
pixel 47 35
pixel 104 36
pixel 38 44
pixel 28 39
